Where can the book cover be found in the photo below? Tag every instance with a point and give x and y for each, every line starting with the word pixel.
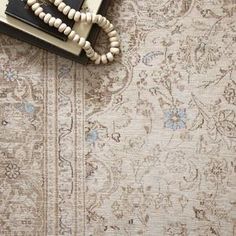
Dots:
pixel 20 10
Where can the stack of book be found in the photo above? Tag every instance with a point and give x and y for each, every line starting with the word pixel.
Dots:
pixel 18 21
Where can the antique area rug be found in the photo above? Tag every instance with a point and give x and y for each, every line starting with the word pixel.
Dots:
pixel 145 146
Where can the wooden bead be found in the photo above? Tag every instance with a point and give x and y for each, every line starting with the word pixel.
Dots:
pixel 89 17
pixel 61 6
pixel 71 14
pixel 76 38
pixel 66 10
pixel 94 57
pixel 104 59
pixel 71 35
pixel 57 2
pixel 103 22
pixel 90 51
pixel 91 54
pixel 77 16
pixel 31 2
pixel 82 42
pixel 112 34
pixel 94 18
pixel 35 6
pixel 47 17
pixel 38 11
pixel 115 51
pixel 110 56
pixel 52 21
pixel 98 61
pixel 67 30
pixel 87 45
pixel 57 23
pixel 107 25
pixel 42 15
pixel 115 44
pixel 99 19
pixel 109 29
pixel 113 39
pixel 62 27
pixel 83 17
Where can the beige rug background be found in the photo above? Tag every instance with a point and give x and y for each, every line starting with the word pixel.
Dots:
pixel 145 146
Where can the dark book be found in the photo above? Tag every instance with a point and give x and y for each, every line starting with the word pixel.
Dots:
pixel 19 30
pixel 20 10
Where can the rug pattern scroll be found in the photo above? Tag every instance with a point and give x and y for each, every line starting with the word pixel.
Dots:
pixel 41 168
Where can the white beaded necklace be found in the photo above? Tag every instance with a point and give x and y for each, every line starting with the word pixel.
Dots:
pixel 77 16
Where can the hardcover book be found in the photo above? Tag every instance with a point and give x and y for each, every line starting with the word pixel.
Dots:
pixel 20 10
pixel 25 31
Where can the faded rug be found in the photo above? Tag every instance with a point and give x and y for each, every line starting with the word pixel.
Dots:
pixel 145 146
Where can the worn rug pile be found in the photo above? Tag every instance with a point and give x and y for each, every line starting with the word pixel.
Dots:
pixel 144 146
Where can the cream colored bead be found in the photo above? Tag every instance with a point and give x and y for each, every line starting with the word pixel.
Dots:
pixel 109 29
pixel 91 54
pixel 57 23
pixel 31 2
pixel 94 57
pixel 71 14
pixel 77 16
pixel 52 21
pixel 113 39
pixel 42 15
pixel 76 38
pixel 99 19
pixel 112 34
pixel 61 6
pixel 52 1
pixel 57 2
pixel 62 27
pixel 71 35
pixel 104 59
pixel 103 22
pixel 66 10
pixel 35 6
pixel 90 51
pixel 89 17
pixel 98 61
pixel 94 18
pixel 115 44
pixel 47 18
pixel 38 11
pixel 107 25
pixel 110 57
pixel 83 17
pixel 115 51
pixel 67 30
pixel 82 42
pixel 87 45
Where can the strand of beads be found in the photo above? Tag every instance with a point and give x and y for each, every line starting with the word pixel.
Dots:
pixel 72 35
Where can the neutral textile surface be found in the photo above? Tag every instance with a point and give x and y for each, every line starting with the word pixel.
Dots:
pixel 145 146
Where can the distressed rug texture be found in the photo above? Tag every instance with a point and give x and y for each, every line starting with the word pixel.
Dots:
pixel 145 146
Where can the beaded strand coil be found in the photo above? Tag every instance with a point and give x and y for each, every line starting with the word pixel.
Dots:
pixel 78 16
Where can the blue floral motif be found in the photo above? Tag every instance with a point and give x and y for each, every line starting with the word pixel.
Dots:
pixel 175 118
pixel 9 74
pixel 92 136
pixel 29 108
